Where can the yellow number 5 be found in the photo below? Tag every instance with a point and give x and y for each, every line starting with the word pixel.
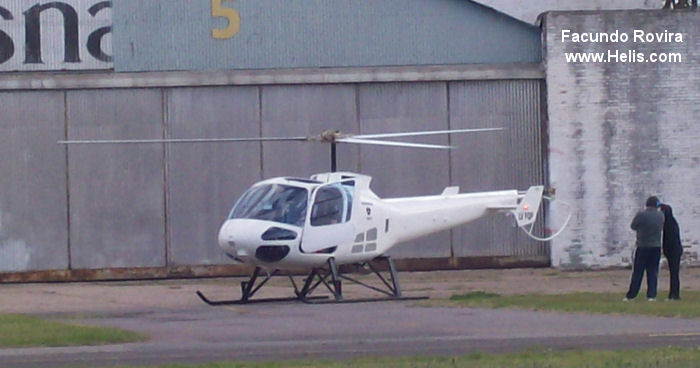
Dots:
pixel 234 20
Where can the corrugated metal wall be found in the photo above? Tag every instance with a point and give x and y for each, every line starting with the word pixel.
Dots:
pixel 95 207
pixel 512 159
pixel 203 181
pixel 177 34
pixel 396 107
pixel 33 200
pixel 116 200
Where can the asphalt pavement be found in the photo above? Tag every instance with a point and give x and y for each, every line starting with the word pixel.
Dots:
pixel 182 329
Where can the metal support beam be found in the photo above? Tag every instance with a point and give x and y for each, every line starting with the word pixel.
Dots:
pixel 247 286
pixel 394 277
pixel 428 73
pixel 335 278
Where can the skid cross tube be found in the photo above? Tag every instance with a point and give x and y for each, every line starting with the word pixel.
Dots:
pixel 308 287
pixel 335 277
pixel 394 278
pixel 248 289
pixel 393 289
pixel 367 285
pixel 330 276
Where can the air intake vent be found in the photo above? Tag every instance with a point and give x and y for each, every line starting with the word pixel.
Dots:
pixel 276 233
pixel 271 253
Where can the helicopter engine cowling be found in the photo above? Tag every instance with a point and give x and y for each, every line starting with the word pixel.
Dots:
pixel 258 242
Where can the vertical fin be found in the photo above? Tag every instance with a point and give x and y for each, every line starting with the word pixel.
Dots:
pixel 526 212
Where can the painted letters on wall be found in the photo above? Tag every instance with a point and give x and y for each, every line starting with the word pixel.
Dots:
pixel 270 34
pixel 40 35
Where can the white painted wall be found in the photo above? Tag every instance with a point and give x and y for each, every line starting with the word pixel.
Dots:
pixel 528 10
pixel 621 131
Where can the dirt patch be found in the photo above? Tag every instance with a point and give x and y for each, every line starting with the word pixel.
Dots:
pixel 122 297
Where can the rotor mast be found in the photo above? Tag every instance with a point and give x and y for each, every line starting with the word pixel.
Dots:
pixel 331 137
pixel 333 157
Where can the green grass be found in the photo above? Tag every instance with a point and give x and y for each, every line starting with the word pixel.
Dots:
pixel 671 357
pixel 688 307
pixel 27 331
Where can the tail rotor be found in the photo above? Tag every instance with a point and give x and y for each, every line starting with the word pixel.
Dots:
pixel 526 212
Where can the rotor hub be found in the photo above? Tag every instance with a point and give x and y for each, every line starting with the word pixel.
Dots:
pixel 330 136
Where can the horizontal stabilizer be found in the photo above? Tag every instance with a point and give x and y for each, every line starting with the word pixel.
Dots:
pixel 526 212
pixel 450 191
pixel 501 208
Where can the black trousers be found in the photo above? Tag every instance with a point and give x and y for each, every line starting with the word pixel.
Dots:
pixel 645 259
pixel 674 268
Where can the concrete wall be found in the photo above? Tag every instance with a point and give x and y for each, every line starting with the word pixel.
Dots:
pixel 156 207
pixel 621 131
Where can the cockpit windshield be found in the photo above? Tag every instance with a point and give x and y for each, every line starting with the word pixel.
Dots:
pixel 273 202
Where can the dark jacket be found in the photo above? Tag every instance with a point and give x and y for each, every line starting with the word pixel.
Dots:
pixel 648 224
pixel 672 235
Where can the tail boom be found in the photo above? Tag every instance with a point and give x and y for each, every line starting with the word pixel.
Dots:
pixel 416 217
pixel 419 216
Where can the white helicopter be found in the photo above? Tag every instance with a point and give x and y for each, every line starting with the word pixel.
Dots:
pixel 334 219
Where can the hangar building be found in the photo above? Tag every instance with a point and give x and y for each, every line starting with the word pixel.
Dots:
pixel 132 69
pixel 183 69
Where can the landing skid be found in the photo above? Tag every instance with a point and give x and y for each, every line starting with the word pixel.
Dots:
pixel 248 289
pixel 254 301
pixel 363 300
pixel 328 276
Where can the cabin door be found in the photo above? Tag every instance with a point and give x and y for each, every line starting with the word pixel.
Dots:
pixel 329 224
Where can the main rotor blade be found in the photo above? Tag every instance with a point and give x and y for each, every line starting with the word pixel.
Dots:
pixel 391 143
pixel 182 140
pixel 429 132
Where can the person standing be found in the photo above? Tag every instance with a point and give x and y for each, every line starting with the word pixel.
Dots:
pixel 673 249
pixel 648 224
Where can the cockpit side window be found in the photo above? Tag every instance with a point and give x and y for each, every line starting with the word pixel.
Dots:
pixel 332 204
pixel 349 189
pixel 328 207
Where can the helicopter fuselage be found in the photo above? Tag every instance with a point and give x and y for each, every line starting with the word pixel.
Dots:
pixel 290 223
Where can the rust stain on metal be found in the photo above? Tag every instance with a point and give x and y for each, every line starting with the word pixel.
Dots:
pixel 118 274
pixel 183 272
pixel 463 263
